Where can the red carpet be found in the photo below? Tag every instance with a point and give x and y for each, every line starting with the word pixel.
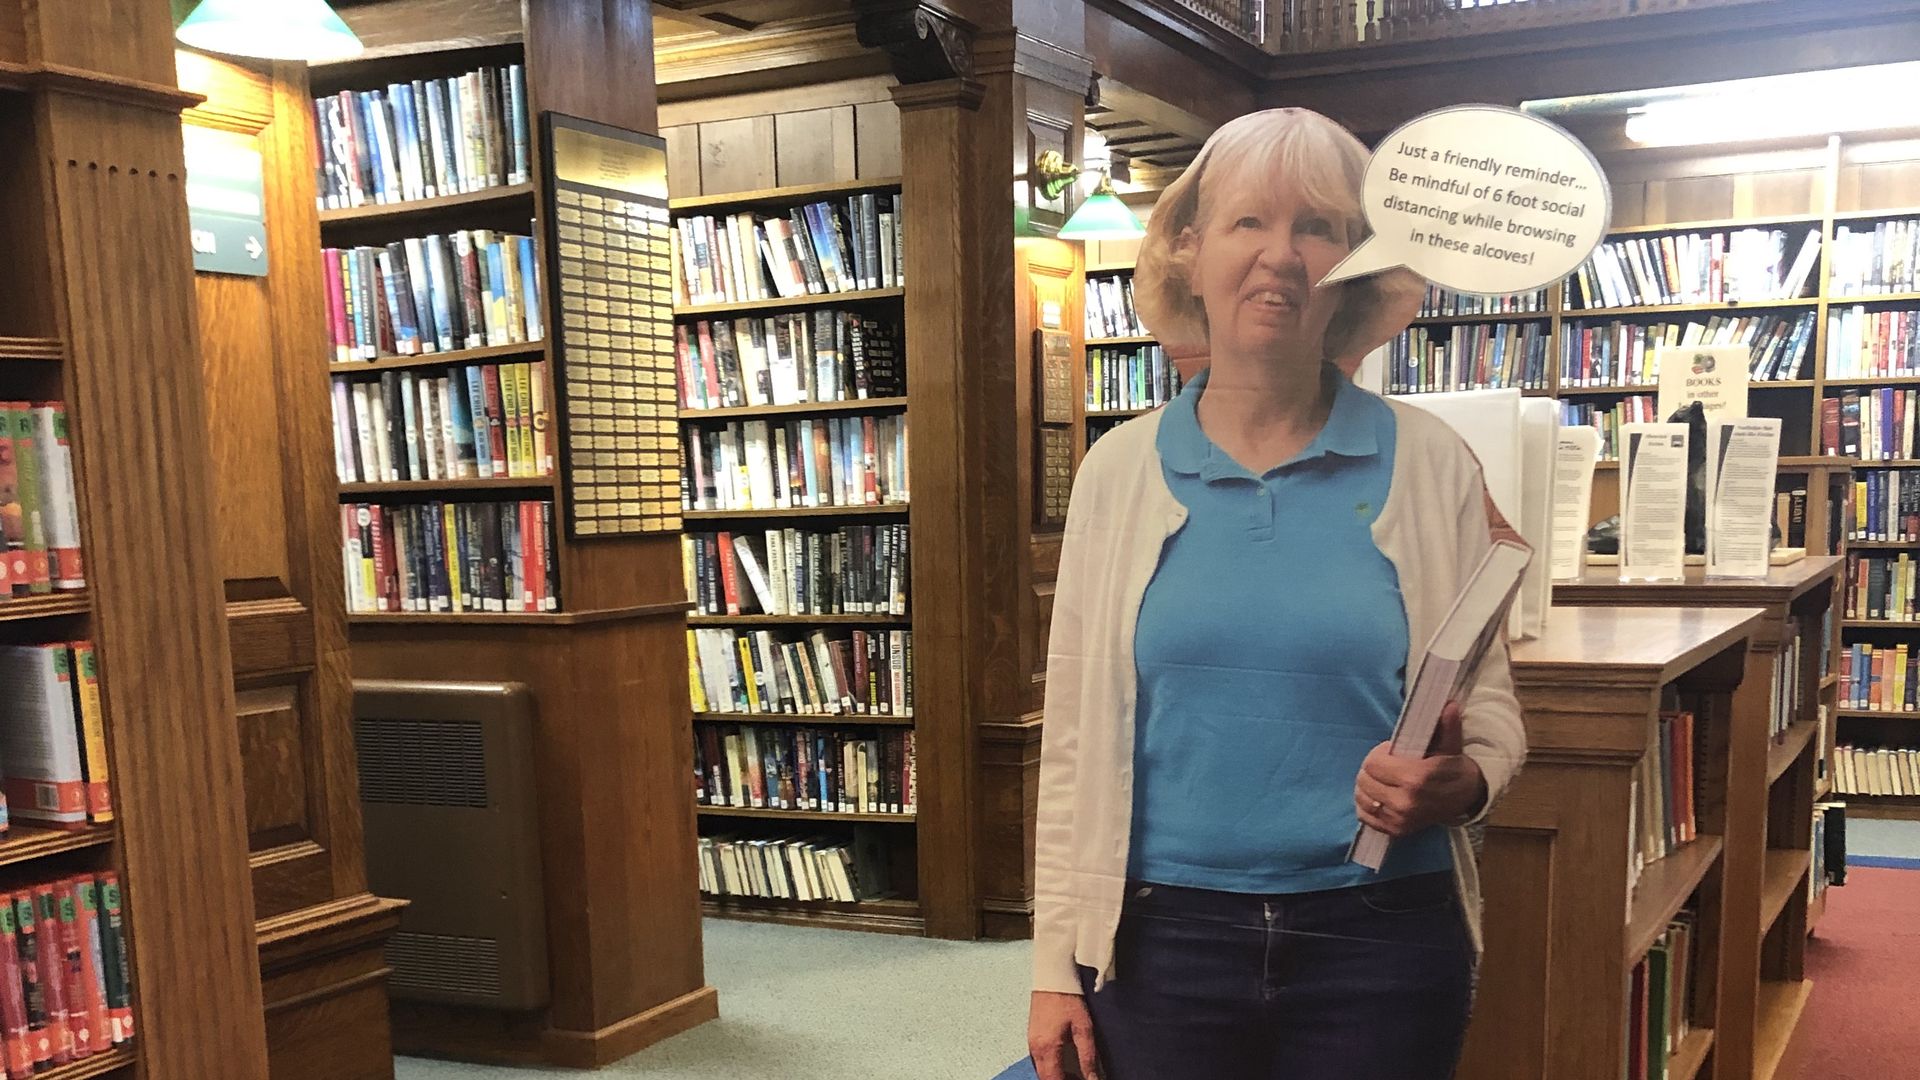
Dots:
pixel 1864 960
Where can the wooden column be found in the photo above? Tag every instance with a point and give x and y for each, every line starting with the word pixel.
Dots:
pixel 99 242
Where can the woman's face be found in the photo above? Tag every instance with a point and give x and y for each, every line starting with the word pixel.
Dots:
pixel 1257 258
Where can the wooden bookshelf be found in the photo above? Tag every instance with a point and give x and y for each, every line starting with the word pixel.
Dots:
pixel 605 671
pixel 97 1065
pixel 790 303
pixel 25 843
pixel 1781 1004
pixel 1769 792
pixel 31 348
pixel 899 833
pixel 423 211
pixel 51 605
pixel 450 358
pixel 1719 308
pixel 1134 339
pixel 1556 864
pixel 1481 317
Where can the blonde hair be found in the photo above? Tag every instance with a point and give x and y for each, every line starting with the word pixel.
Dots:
pixel 1321 159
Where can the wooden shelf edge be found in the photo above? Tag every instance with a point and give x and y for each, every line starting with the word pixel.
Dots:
pixel 401 211
pixel 1876 714
pixel 864 510
pixel 770 814
pixel 813 192
pixel 518 618
pixel 1125 339
pixel 1686 1061
pixel 32 348
pixel 799 620
pixel 1782 755
pixel 428 487
pixel 1116 414
pixel 24 842
pixel 823 916
pixel 1784 875
pixel 1781 1005
pixel 802 409
pixel 44 606
pixel 811 719
pixel 1483 317
pixel 744 307
pixel 1688 309
pixel 1663 889
pixel 97 1065
pixel 438 359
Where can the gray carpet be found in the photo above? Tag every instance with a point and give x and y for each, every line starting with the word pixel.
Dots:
pixel 800 1004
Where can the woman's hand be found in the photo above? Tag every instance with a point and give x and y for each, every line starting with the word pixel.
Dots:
pixel 1060 1037
pixel 1402 795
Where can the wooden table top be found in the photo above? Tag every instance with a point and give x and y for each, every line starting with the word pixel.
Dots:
pixel 1601 584
pixel 1659 643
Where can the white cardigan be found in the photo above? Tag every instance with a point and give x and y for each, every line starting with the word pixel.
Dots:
pixel 1434 529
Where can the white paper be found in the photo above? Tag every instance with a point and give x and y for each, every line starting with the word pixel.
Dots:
pixel 1742 456
pixel 1575 453
pixel 1653 502
pixel 1488 421
pixel 1539 430
pixel 1713 375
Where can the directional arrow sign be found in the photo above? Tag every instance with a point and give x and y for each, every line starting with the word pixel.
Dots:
pixel 225 203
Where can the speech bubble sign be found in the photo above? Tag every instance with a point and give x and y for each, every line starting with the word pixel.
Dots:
pixel 1480 199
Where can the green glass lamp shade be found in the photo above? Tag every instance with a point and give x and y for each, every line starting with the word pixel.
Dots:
pixel 1103 217
pixel 271 29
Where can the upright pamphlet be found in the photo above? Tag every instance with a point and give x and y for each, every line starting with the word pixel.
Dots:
pixel 1653 502
pixel 1742 456
pixel 1714 375
pixel 1575 453
pixel 1476 621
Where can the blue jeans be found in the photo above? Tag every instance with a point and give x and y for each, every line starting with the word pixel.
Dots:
pixel 1372 982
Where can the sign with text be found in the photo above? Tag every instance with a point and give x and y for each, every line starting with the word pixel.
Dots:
pixel 226 202
pixel 1713 375
pixel 1653 502
pixel 1480 199
pixel 1576 452
pixel 1742 456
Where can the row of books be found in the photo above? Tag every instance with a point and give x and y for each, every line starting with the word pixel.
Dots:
pixel 829 770
pixel 450 556
pixel 66 985
pixel 1663 786
pixel 1439 303
pixel 423 139
pixel 53 744
pixel 1875 424
pixel 849 672
pixel 825 461
pixel 1882 770
pixel 480 420
pixel 794 867
pixel 1882 258
pixel 1864 344
pixel 1790 517
pixel 788 359
pixel 1619 353
pixel 1659 998
pixel 814 249
pixel 1473 356
pixel 1882 587
pixel 468 289
pixel 1100 425
pixel 1883 678
pixel 851 570
pixel 1134 377
pixel 1608 420
pixel 1110 310
pixel 1736 266
pixel 1829 832
pixel 1886 505
pixel 1788 691
pixel 39 508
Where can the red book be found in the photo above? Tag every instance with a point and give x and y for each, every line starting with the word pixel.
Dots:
pixel 496 417
pixel 533 553
pixel 32 985
pixel 690 395
pixel 870 471
pixel 716 390
pixel 53 974
pixel 18 1045
pixel 337 306
pixel 1830 425
pixel 823 461
pixel 86 904
pixel 729 574
pixel 1879 684
pixel 79 991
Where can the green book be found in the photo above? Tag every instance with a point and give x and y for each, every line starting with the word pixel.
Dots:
pixel 1659 998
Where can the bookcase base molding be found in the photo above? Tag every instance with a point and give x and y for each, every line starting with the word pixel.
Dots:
pixel 324 982
pixel 611 744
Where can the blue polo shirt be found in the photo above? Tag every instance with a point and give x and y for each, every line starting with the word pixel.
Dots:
pixel 1271 653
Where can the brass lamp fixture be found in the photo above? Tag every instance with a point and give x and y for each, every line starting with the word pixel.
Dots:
pixel 1101 216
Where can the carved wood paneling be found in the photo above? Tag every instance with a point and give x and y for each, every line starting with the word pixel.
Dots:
pixel 273 754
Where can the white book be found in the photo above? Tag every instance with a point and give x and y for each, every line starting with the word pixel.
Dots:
pixel 823 663
pixel 762 593
pixel 40 741
pixel 897 671
pixel 780 590
pixel 759 464
pixel 430 423
pixel 380 445
pixel 1803 265
pixel 1476 621
pixel 343 437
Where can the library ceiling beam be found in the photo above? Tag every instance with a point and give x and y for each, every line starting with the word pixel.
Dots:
pixel 924 43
